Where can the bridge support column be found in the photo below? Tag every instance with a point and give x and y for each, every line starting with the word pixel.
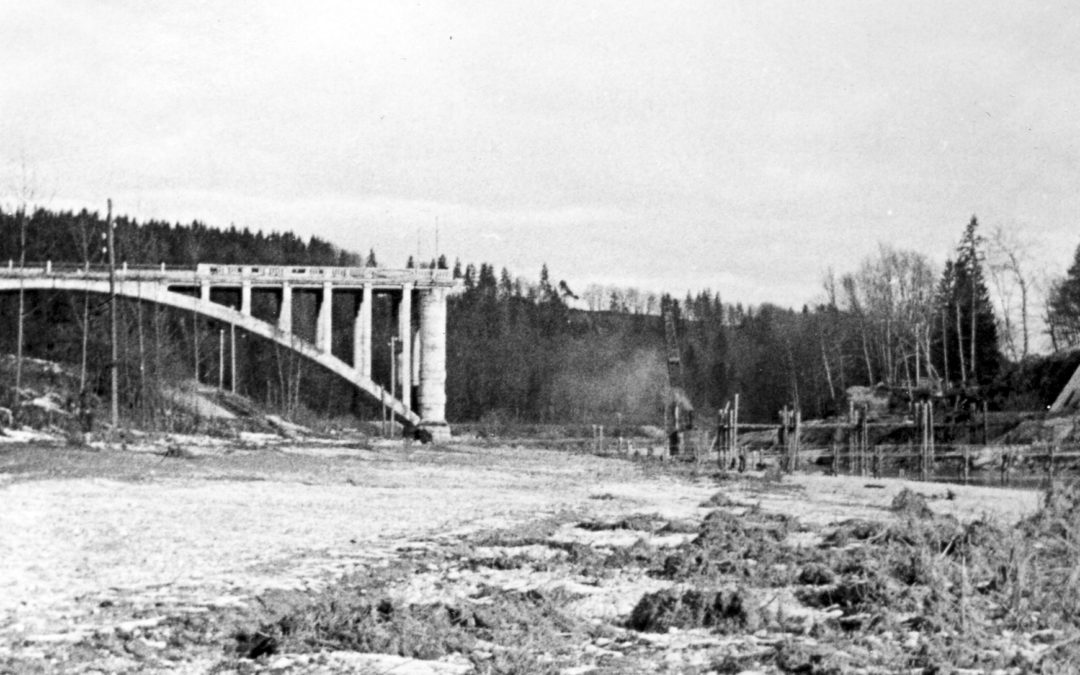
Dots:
pixel 362 331
pixel 284 319
pixel 245 298
pixel 204 291
pixel 405 335
pixel 324 323
pixel 433 364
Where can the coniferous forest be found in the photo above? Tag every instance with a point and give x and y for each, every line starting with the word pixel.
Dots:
pixel 528 350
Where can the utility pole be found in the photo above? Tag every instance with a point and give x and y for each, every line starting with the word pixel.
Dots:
pixel 232 360
pixel 221 360
pixel 114 381
pixel 393 376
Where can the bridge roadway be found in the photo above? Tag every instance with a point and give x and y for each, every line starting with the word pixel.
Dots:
pixel 421 362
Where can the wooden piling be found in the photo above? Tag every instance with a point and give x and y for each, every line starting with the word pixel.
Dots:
pixel 864 443
pixel 735 435
pixel 796 432
pixel 920 430
pixel 1051 451
pixel 930 436
pixel 782 440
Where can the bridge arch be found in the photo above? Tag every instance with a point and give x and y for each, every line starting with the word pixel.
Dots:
pixel 156 292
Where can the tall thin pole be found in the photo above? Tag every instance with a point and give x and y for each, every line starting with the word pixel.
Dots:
pixel 232 364
pixel 221 359
pixel 393 377
pixel 114 382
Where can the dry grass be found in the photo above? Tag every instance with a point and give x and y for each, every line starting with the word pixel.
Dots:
pixel 898 589
pixel 523 632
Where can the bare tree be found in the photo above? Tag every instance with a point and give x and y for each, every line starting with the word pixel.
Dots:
pixel 25 195
pixel 892 295
pixel 1008 258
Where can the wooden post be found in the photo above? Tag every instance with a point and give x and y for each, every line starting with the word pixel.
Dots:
pixel 1051 451
pixel 967 463
pixel 849 431
pixel 930 435
pixel 864 441
pixel 732 449
pixel 721 438
pixel 921 433
pixel 795 439
pixel 924 441
pixel 782 441
pixel 735 436
pixel 928 423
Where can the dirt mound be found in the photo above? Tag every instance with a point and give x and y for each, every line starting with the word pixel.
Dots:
pixel 344 618
pixel 911 504
pixel 724 611
pixel 855 529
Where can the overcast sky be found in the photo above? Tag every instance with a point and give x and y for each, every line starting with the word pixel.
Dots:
pixel 743 147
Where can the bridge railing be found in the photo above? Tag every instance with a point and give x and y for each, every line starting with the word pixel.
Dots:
pixel 324 273
pixel 209 271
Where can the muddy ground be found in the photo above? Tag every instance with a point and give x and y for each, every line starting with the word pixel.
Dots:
pixel 257 555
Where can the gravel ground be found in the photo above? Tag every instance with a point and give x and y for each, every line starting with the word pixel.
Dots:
pixel 92 542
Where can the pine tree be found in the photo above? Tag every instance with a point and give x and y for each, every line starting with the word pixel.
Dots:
pixel 968 341
pixel 1063 313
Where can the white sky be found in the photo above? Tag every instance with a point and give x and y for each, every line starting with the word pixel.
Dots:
pixel 743 147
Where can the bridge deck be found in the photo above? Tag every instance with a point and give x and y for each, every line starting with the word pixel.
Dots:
pixel 236 275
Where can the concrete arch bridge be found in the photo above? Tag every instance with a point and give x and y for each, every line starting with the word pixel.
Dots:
pixel 421 363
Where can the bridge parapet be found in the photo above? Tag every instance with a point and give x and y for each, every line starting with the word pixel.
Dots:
pixel 347 276
pixel 300 275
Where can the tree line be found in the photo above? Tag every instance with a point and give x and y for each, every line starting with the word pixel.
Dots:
pixel 533 351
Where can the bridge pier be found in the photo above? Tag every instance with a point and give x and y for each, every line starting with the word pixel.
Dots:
pixel 404 334
pixel 433 364
pixel 324 318
pixel 362 331
pixel 284 321
pixel 245 298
